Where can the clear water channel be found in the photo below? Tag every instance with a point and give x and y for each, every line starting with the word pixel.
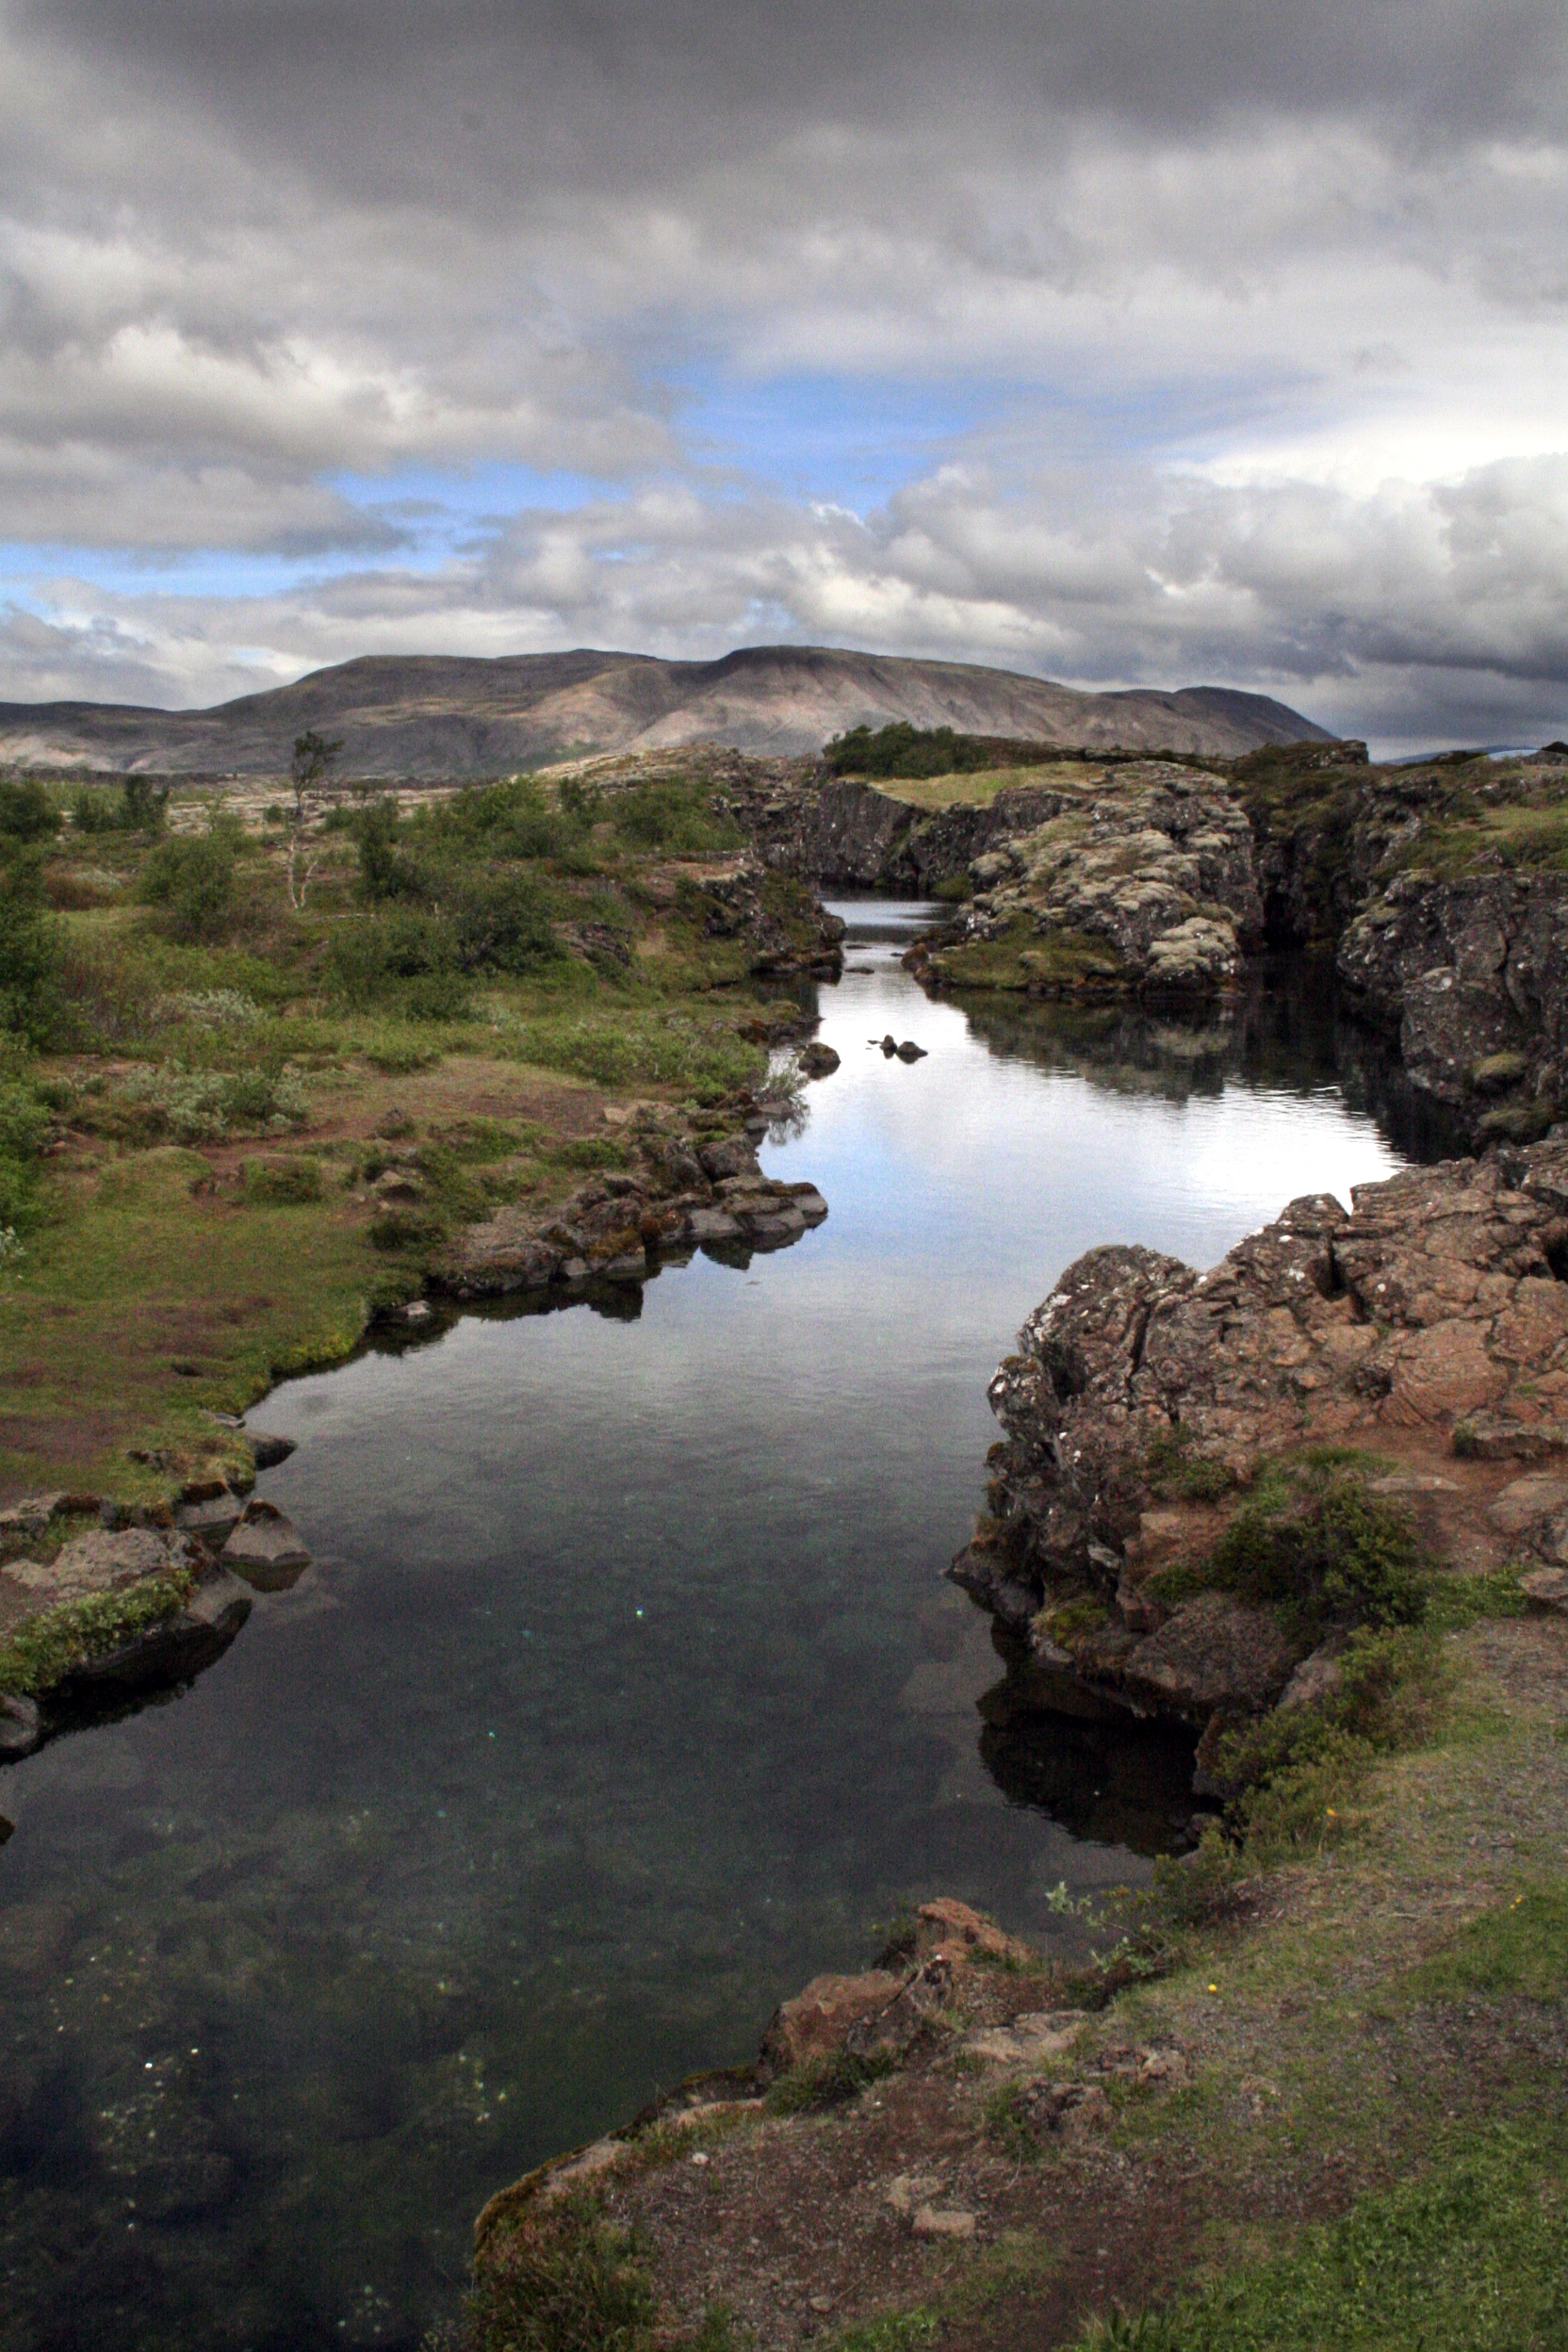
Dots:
pixel 624 1696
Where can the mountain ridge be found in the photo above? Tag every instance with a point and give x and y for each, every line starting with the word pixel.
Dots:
pixel 430 716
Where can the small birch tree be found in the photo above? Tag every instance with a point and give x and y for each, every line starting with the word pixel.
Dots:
pixel 309 773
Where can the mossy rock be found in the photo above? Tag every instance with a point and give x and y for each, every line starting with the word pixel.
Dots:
pixel 1050 963
pixel 1497 1072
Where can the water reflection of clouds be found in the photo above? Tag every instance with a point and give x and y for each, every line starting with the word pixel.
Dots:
pixel 909 1155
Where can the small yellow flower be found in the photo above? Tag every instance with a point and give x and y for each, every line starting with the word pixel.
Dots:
pixel 1332 1815
pixel 1214 1988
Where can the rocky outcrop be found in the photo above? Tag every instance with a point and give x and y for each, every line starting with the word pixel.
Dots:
pixel 619 1228
pixel 1428 1323
pixel 1140 886
pixel 117 1610
pixel 265 1549
pixel 859 836
pixel 1473 977
pixel 951 1965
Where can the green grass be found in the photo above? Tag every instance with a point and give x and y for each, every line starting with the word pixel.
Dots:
pixel 1528 837
pixel 563 2278
pixel 645 1047
pixel 830 2081
pixel 144 1302
pixel 1518 1950
pixel 147 1279
pixel 1471 2256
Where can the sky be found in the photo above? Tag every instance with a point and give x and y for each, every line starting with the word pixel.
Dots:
pixel 1123 342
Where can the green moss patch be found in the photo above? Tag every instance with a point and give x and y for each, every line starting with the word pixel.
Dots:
pixel 1048 963
pixel 43 1649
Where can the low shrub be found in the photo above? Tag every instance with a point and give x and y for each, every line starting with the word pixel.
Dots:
pixel 1174 1469
pixel 140 806
pixel 191 880
pixel 30 942
pixel 680 815
pixel 902 749
pixel 27 811
pixel 1296 1768
pixel 282 1184
pixel 1455 1602
pixel 200 1105
pixel 1012 2123
pixel 24 1126
pixel 1313 1539
pixel 707 1058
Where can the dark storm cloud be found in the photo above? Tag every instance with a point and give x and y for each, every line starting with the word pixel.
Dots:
pixel 589 83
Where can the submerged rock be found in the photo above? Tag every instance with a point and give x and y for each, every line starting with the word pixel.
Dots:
pixel 265 1549
pixel 266 1451
pixel 20 1727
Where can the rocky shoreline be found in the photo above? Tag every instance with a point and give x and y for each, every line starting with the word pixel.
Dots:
pixel 1415 1343
pixel 103 1604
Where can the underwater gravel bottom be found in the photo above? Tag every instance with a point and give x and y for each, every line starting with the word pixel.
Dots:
pixel 624 1695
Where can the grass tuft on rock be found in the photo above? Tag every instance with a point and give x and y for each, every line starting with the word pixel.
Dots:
pixel 831 2081
pixel 43 1648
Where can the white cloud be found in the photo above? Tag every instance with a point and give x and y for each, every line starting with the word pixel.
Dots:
pixel 1260 320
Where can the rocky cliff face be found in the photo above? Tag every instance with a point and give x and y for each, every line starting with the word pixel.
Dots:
pixel 1149 1404
pixel 1443 888
pixel 842 831
pixel 1473 976
pixel 1141 882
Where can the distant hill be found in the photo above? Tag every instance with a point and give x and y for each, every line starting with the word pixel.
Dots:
pixel 431 715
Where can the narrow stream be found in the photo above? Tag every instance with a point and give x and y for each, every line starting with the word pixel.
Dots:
pixel 624 1695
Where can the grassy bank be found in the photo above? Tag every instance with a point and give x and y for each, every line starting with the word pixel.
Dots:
pixel 222 1040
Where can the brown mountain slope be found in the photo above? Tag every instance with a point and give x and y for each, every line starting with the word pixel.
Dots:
pixel 433 715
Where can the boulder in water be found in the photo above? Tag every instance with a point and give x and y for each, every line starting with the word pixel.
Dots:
pixel 266 1550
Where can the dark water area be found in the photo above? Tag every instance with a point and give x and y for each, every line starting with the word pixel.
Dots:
pixel 624 1696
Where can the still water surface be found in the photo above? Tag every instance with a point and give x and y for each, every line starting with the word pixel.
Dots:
pixel 624 1696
